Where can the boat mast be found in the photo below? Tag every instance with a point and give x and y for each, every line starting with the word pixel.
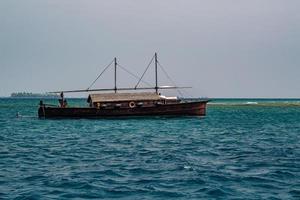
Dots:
pixel 115 89
pixel 115 61
pixel 156 84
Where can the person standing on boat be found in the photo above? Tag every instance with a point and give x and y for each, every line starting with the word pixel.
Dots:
pixel 62 101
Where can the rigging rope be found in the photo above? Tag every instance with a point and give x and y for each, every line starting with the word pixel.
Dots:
pixel 144 72
pixel 140 78
pixel 132 74
pixel 100 74
pixel 170 79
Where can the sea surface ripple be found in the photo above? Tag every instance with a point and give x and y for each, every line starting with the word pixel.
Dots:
pixel 235 152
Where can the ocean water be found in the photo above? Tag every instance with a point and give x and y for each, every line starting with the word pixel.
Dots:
pixel 242 149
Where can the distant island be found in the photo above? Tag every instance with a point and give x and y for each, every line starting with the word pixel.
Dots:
pixel 33 95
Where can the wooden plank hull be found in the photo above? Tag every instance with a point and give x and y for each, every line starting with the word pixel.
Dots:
pixel 177 109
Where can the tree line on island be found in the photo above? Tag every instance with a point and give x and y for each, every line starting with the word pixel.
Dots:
pixel 35 95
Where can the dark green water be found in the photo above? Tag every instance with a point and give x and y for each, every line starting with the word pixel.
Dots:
pixel 243 149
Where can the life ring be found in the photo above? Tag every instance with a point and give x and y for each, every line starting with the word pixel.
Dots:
pixel 131 104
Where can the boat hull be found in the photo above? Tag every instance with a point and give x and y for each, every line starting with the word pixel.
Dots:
pixel 178 109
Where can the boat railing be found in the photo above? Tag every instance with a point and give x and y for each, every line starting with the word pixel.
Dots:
pixel 45 104
pixel 50 105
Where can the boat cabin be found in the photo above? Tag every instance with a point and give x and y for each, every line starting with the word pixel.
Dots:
pixel 126 100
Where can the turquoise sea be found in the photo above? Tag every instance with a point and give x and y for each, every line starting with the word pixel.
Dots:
pixel 242 149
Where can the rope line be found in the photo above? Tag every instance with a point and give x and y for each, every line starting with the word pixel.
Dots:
pixel 144 72
pixel 132 74
pixel 101 74
pixel 170 79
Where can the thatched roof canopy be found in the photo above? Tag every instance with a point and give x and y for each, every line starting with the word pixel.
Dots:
pixel 115 97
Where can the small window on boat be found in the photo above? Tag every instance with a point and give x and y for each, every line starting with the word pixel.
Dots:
pixel 140 103
pixel 118 105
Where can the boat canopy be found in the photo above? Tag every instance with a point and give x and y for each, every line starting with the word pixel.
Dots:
pixel 117 97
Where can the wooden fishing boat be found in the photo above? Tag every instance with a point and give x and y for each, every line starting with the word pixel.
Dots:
pixel 120 104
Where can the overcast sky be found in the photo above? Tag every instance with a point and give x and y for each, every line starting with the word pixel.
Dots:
pixel 232 48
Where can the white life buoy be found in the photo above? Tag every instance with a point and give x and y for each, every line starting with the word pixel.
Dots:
pixel 131 104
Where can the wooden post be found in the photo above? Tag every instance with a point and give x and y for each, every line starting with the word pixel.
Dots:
pixel 115 75
pixel 156 84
